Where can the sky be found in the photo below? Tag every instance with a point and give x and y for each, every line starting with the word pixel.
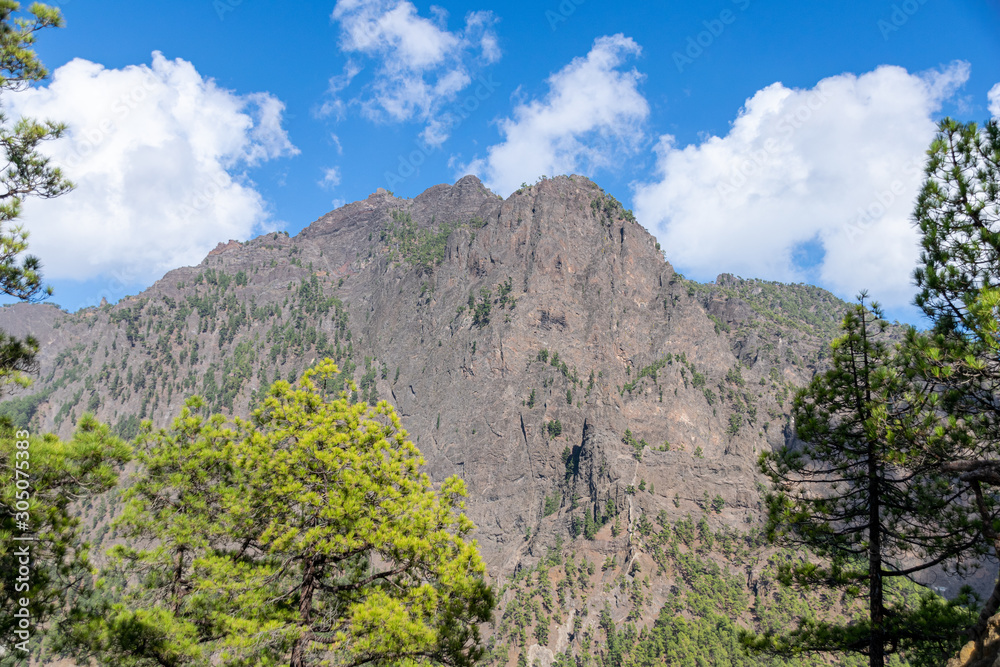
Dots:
pixel 767 139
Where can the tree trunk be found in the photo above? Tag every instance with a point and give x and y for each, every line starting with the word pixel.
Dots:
pixel 993 603
pixel 175 588
pixel 876 611
pixel 305 612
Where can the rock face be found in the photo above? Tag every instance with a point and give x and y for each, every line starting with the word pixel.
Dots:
pixel 629 346
pixel 540 347
pixel 987 655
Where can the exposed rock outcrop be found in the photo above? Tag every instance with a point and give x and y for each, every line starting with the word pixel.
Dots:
pixel 986 654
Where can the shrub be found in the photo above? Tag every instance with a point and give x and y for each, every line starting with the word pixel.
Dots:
pixel 552 504
pixel 718 503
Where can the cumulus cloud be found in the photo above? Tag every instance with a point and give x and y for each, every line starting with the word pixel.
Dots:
pixel 592 115
pixel 155 152
pixel 808 185
pixel 420 66
pixel 994 98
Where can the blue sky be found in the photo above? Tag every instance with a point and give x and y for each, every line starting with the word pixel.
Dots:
pixel 768 139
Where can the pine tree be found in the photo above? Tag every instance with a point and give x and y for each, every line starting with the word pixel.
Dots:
pixel 173 504
pixel 958 213
pixel 42 559
pixel 307 533
pixel 27 173
pixel 860 495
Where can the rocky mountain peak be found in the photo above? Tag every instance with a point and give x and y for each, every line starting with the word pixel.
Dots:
pixel 538 346
pixel 487 320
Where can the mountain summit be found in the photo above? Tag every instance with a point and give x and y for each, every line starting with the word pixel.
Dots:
pixel 539 346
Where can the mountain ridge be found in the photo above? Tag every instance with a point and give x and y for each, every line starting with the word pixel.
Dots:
pixel 541 347
pixel 550 259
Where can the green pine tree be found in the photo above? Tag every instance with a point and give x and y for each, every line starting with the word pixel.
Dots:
pixel 861 498
pixel 27 173
pixel 57 568
pixel 305 534
pixel 958 213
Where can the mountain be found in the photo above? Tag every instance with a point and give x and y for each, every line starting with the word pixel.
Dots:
pixel 539 346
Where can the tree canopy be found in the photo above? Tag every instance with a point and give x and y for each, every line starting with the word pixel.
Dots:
pixel 26 173
pixel 60 472
pixel 306 533
pixel 958 213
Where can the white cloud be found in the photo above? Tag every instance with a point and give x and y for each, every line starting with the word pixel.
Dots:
pixel 994 97
pixel 834 169
pixel 331 178
pixel 592 115
pixel 420 66
pixel 155 152
pixel 268 140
